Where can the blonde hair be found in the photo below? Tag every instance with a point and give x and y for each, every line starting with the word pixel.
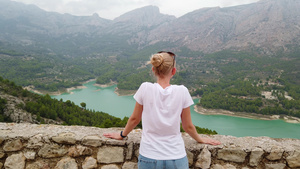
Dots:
pixel 163 63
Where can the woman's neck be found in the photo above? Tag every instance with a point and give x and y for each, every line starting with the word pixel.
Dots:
pixel 163 82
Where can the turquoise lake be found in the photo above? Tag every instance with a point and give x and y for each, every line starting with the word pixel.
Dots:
pixel 105 100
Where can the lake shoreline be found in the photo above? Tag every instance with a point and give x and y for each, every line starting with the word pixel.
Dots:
pixel 203 111
pixel 198 109
pixel 59 92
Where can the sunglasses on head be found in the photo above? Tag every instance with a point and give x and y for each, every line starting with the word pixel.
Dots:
pixel 170 53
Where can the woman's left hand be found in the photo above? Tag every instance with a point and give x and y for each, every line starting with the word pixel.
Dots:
pixel 116 136
pixel 210 141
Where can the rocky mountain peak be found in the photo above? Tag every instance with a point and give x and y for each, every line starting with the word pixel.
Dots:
pixel 148 15
pixel 267 24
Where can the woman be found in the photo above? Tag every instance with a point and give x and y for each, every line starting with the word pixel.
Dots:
pixel 161 106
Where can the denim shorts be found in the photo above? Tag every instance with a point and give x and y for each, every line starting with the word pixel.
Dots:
pixel 148 163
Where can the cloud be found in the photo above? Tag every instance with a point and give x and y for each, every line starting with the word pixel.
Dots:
pixel 111 9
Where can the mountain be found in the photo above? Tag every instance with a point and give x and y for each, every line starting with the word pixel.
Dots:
pixel 267 26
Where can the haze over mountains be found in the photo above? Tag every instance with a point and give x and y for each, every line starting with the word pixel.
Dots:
pixel 268 25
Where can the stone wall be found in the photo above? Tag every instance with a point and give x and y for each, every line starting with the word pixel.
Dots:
pixel 33 146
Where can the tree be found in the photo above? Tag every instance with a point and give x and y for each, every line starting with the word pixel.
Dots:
pixel 83 105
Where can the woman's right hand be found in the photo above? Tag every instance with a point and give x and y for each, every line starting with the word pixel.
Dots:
pixel 115 136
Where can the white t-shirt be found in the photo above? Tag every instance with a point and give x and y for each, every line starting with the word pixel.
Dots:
pixel 162 108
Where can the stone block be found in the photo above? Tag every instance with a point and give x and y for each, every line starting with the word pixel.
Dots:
pixel 79 150
pixel 129 151
pixel 275 166
pixel 111 166
pixel 52 151
pixel 65 138
pixel 232 154
pixel 110 155
pixel 2 154
pixel 229 166
pixel 38 165
pixel 30 155
pixel 89 163
pixel 93 141
pixel 137 152
pixel 13 145
pixel 294 160
pixel 35 141
pixel 255 156
pixel 115 142
pixel 15 161
pixel 276 153
pixel 217 166
pixel 66 163
pixel 204 159
pixel 130 165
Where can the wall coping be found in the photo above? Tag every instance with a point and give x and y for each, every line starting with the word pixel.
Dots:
pixel 283 152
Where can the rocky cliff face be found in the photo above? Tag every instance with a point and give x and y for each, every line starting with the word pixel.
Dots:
pixel 17 114
pixel 268 25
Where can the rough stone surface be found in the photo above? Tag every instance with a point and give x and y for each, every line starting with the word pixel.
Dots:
pixel 276 153
pixel 52 151
pixel 78 150
pixel 229 166
pixel 204 159
pixel 14 145
pixel 89 163
pixel 2 154
pixel 275 166
pixel 111 166
pixel 130 165
pixel 294 160
pixel 66 163
pixel 30 155
pixel 66 138
pixel 2 138
pixel 232 154
pixel 15 161
pixel 256 156
pixel 217 166
pixel 38 165
pixel 190 157
pixel 94 141
pixel 129 151
pixel 110 155
pixel 137 153
pixel 92 150
pixel 1 165
pixel 35 141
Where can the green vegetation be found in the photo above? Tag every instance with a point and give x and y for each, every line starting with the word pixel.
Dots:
pixel 244 96
pixel 230 74
pixel 3 118
pixel 67 112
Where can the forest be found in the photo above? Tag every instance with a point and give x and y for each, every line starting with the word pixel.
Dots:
pixel 238 76
pixel 245 96
pixel 43 106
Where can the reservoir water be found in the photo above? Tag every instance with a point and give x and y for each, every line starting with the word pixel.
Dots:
pixel 105 100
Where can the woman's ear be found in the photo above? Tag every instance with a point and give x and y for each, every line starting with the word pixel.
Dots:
pixel 173 71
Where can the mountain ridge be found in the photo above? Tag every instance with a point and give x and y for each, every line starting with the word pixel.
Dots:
pixel 269 25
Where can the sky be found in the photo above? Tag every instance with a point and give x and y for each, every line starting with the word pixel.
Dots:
pixel 110 9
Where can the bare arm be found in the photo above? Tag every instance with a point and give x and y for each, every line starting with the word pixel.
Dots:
pixel 132 122
pixel 189 127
